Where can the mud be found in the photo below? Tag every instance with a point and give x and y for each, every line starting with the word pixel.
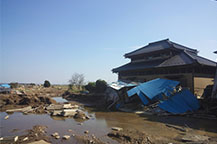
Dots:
pixel 35 134
pixel 97 128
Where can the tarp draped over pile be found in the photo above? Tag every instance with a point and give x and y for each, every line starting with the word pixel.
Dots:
pixel 153 88
pixel 180 103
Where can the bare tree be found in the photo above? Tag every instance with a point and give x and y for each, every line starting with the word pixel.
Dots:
pixel 77 80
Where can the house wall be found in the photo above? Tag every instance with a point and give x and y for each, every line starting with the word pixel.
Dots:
pixel 200 84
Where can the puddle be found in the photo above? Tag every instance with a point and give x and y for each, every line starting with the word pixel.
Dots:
pixel 59 99
pixel 18 123
pixel 100 124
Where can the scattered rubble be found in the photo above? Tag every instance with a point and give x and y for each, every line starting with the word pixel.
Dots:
pixel 86 132
pixel 25 110
pixel 25 139
pixel 55 135
pixel 177 127
pixel 6 117
pixel 66 137
pixel 35 134
pixel 117 128
pixel 16 138
pixel 189 138
pixel 128 136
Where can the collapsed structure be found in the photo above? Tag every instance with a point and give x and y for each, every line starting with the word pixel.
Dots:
pixel 164 94
pixel 169 60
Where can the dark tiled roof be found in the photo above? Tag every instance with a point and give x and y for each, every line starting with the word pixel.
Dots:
pixel 183 58
pixel 157 46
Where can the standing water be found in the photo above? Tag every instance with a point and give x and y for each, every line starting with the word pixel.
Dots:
pixel 59 99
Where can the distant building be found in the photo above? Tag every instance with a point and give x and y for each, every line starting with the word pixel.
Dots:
pixel 5 88
pixel 166 59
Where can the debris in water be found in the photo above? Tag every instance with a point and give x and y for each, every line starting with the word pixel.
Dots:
pixel 6 117
pixel 66 137
pixel 117 128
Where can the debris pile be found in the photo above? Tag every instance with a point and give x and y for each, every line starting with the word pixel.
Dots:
pixel 67 110
pixel 159 96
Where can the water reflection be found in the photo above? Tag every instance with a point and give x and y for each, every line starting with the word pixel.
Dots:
pixel 59 99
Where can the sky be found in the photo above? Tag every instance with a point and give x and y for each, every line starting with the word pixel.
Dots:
pixel 52 39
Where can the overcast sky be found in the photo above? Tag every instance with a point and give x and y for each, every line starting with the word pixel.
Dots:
pixel 52 39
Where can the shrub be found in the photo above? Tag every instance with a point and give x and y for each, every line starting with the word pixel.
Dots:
pixel 47 83
pixel 14 85
pixel 91 87
pixel 101 86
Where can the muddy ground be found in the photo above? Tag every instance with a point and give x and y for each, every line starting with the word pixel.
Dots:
pixel 98 128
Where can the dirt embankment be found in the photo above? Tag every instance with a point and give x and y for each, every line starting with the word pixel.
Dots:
pixel 29 96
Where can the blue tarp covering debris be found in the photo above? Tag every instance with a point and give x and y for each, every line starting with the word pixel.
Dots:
pixel 180 103
pixel 153 89
pixel 5 85
pixel 142 97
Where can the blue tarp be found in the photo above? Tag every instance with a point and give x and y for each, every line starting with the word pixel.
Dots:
pixel 181 102
pixel 153 89
pixel 5 85
pixel 142 97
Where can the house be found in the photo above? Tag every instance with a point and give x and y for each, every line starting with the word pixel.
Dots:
pixel 214 90
pixel 168 60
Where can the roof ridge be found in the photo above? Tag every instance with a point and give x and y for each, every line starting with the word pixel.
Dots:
pixel 147 46
pixel 158 41
pixel 199 57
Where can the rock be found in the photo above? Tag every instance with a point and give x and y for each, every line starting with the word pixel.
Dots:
pixel 7 117
pixel 80 124
pixel 69 130
pixel 117 128
pixel 86 132
pixel 39 142
pixel 25 139
pixel 80 115
pixel 1 138
pixel 87 117
pixel 16 138
pixel 66 137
